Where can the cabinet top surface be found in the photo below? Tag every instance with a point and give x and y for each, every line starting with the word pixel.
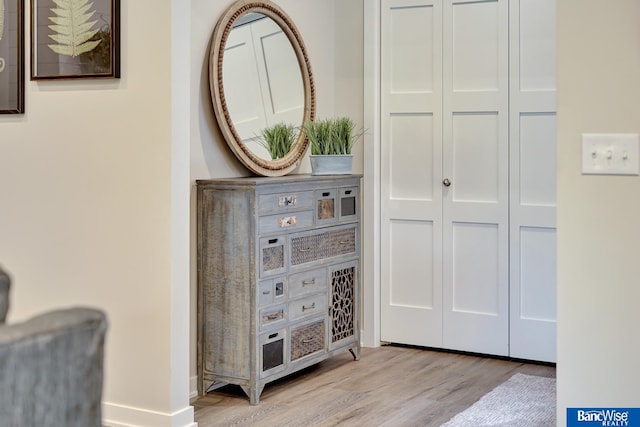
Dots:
pixel 288 179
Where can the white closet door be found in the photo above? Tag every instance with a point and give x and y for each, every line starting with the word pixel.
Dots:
pixel 261 65
pixel 411 172
pixel 279 72
pixel 533 179
pixel 468 96
pixel 476 162
pixel 246 109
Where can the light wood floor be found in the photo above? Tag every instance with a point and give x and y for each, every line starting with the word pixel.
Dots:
pixel 389 386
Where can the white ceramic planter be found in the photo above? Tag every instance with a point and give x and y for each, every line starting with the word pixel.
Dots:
pixel 340 164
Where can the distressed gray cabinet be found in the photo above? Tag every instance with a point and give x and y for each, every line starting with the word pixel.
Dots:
pixel 278 276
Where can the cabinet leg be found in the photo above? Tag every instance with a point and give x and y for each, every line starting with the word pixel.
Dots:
pixel 253 393
pixel 205 386
pixel 355 353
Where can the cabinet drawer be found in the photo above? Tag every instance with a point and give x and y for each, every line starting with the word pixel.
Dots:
pixel 271 290
pixel 272 354
pixel 307 282
pixel 265 292
pixel 326 202
pixel 283 202
pixel 272 315
pixel 309 306
pixel 317 246
pixel 308 339
pixel 285 222
pixel 349 204
pixel 273 255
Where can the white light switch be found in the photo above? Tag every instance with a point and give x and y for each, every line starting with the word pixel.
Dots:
pixel 610 154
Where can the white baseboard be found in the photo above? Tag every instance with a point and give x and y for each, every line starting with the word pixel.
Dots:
pixel 193 387
pixel 125 416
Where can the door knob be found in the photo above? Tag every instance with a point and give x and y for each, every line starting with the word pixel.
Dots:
pixel 446 182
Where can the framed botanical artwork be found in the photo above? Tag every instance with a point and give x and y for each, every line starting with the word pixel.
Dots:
pixel 11 56
pixel 75 39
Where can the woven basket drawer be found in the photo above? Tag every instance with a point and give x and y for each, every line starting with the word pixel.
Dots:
pixel 307 339
pixel 318 246
pixel 273 255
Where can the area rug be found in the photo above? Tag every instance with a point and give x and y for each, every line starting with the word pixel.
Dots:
pixel 521 401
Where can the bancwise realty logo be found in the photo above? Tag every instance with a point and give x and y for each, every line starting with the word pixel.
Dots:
pixel 603 417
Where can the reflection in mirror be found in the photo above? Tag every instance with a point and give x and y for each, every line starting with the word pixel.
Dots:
pixel 260 77
pixel 262 80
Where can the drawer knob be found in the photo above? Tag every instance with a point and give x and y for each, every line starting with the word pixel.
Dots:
pixel 307 340
pixel 309 282
pixel 286 201
pixel 287 221
pixel 304 249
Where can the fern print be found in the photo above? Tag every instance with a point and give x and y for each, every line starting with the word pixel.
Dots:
pixel 1 18
pixel 72 28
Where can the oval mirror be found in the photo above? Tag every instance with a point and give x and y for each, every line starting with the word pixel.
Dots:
pixel 260 77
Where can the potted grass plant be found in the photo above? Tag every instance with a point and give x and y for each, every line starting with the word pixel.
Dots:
pixel 278 139
pixel 331 142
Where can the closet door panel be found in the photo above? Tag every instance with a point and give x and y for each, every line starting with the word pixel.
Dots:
pixel 476 165
pixel 411 58
pixel 533 180
pixel 475 143
pixel 408 267
pixel 537 148
pixel 411 169
pixel 537 45
pixel 475 272
pixel 410 149
pixel 476 45
pixel 476 302
pixel 410 25
pixel 412 295
pixel 538 273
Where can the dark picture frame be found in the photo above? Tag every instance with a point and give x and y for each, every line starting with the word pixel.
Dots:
pixel 11 56
pixel 88 47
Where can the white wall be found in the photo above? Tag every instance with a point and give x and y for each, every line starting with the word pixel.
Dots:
pixel 95 188
pixel 598 226
pixel 88 217
pixel 86 179
pixel 332 34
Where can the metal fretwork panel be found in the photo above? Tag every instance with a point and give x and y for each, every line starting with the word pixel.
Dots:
pixel 343 303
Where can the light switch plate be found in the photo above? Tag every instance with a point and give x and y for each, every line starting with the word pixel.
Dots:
pixel 610 154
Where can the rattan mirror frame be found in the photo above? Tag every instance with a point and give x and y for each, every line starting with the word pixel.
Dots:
pixel 219 38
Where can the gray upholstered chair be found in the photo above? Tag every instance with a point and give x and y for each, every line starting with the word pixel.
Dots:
pixel 51 367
